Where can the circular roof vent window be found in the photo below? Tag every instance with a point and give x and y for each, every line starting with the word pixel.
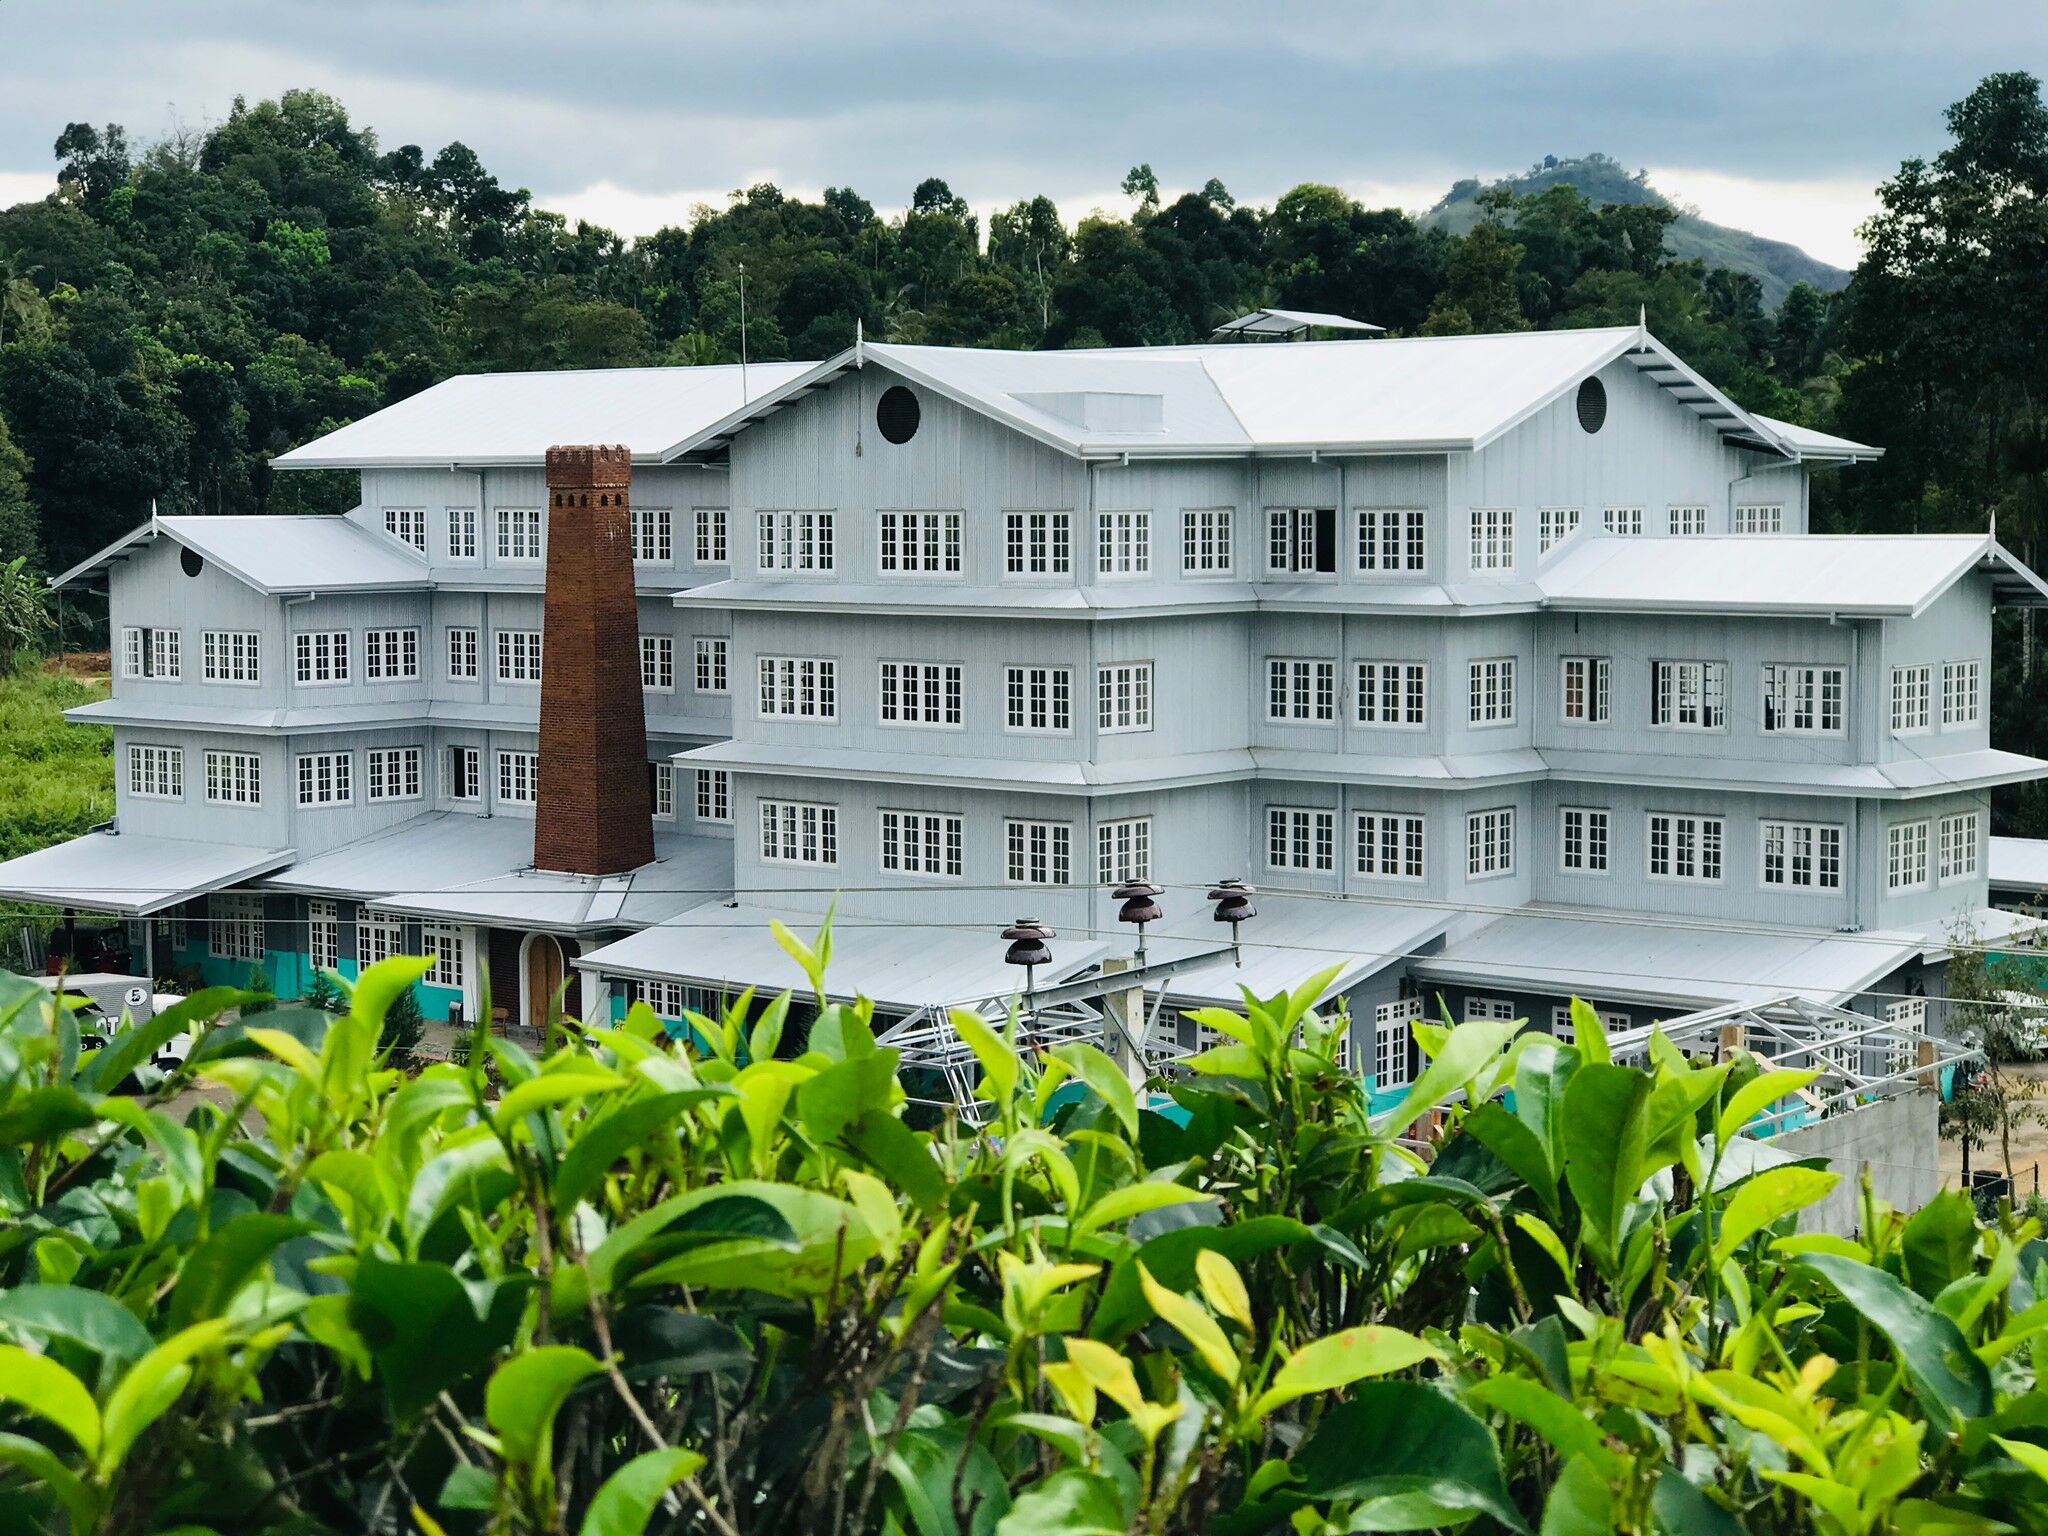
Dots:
pixel 192 561
pixel 1592 405
pixel 896 414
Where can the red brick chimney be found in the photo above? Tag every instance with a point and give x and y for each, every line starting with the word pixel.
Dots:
pixel 593 815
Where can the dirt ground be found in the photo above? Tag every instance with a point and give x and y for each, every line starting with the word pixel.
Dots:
pixel 2029 1141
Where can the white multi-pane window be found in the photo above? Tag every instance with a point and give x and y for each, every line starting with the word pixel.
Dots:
pixel 1390 845
pixel 326 778
pixel 391 654
pixel 922 843
pixel 795 541
pixel 710 540
pixel 714 794
pixel 230 656
pixel 1624 520
pixel 1491 539
pixel 658 663
pixel 462 533
pixel 919 543
pixel 1685 522
pixel 1492 691
pixel 799 832
pixel 443 941
pixel 1038 698
pixel 462 773
pixel 673 999
pixel 1393 694
pixel 1554 525
pixel 151 653
pixel 1689 695
pixel 1038 852
pixel 408 525
pixel 1565 1032
pixel 1910 1015
pixel 378 938
pixel 1123 850
pixel 1123 696
pixel 462 653
pixel 1961 694
pixel 519 655
pixel 323 934
pixel 1298 837
pixel 518 533
pixel 1123 543
pixel 1393 1036
pixel 1801 855
pixel 156 773
pixel 1804 700
pixel 1584 839
pixel 1392 539
pixel 234 922
pixel 798 688
pixel 518 777
pixel 320 658
pixel 1205 540
pixel 711 664
pixel 1906 855
pixel 1586 689
pixel 1958 846
pixel 1300 689
pixel 921 692
pixel 661 783
pixel 1038 543
pixel 1760 519
pixel 1685 847
pixel 1301 541
pixel 234 778
pixel 1489 1009
pixel 1490 842
pixel 653 533
pixel 392 773
pixel 1912 702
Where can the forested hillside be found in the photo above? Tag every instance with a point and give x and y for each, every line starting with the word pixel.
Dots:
pixel 177 313
pixel 1774 263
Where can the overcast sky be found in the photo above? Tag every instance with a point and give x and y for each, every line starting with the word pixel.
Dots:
pixel 1778 117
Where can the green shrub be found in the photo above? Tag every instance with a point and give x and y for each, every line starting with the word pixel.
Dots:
pixel 640 1286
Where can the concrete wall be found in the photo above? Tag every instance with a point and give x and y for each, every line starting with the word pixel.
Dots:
pixel 1899 1142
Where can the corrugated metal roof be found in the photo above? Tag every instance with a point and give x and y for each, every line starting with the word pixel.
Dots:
pixel 1293 937
pixel 134 876
pixel 479 869
pixel 1051 776
pixel 489 419
pixel 2019 863
pixel 1411 395
pixel 898 966
pixel 1650 961
pixel 279 554
pixel 1862 573
pixel 1823 446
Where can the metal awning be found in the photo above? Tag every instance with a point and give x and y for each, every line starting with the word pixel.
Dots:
pixel 132 876
pixel 1294 937
pixel 896 966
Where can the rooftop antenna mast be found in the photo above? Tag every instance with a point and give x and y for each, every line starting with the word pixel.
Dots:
pixel 743 334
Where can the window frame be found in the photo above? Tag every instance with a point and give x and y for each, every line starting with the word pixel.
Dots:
pixel 1944 845
pixel 1498 538
pixel 1709 835
pixel 519 656
pixel 1311 826
pixel 796 541
pixel 909 535
pixel 398 519
pixel 513 529
pixel 1208 543
pixel 1491 684
pixel 712 796
pixel 306 772
pixel 1952 693
pixel 1754 513
pixel 452 649
pixel 1311 677
pixel 1411 538
pixel 900 828
pixel 1685 520
pixel 791 679
pixel 1123 543
pixel 517 768
pixel 791 831
pixel 450 775
pixel 1896 866
pixel 711 656
pixel 1026 528
pixel 1595 838
pixel 912 680
pixel 1369 692
pixel 710 535
pixel 1019 678
pixel 391 654
pixel 1713 684
pixel 307 657
pixel 1057 852
pixel 225 652
pixel 660 522
pixel 657 663
pixel 1369 832
pixel 1291 531
pixel 1113 718
pixel 1623 522
pixel 1804 686
pixel 467 549
pixel 1133 860
pixel 1596 688
pixel 167 769
pixel 233 778
pixel 1903 694
pixel 1556 524
pixel 406 764
pixel 1818 834
pixel 1490 827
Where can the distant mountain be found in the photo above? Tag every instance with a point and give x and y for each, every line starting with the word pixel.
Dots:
pixel 1774 263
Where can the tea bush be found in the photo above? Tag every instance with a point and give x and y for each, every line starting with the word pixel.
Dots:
pixel 721 1286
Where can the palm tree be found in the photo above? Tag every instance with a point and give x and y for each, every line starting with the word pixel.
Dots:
pixel 19 298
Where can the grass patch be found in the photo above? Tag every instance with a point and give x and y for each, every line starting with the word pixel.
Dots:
pixel 56 779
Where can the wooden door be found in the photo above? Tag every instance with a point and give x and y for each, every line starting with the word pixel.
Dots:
pixel 543 976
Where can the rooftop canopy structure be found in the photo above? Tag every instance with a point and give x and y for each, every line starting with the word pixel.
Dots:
pixel 1289 325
